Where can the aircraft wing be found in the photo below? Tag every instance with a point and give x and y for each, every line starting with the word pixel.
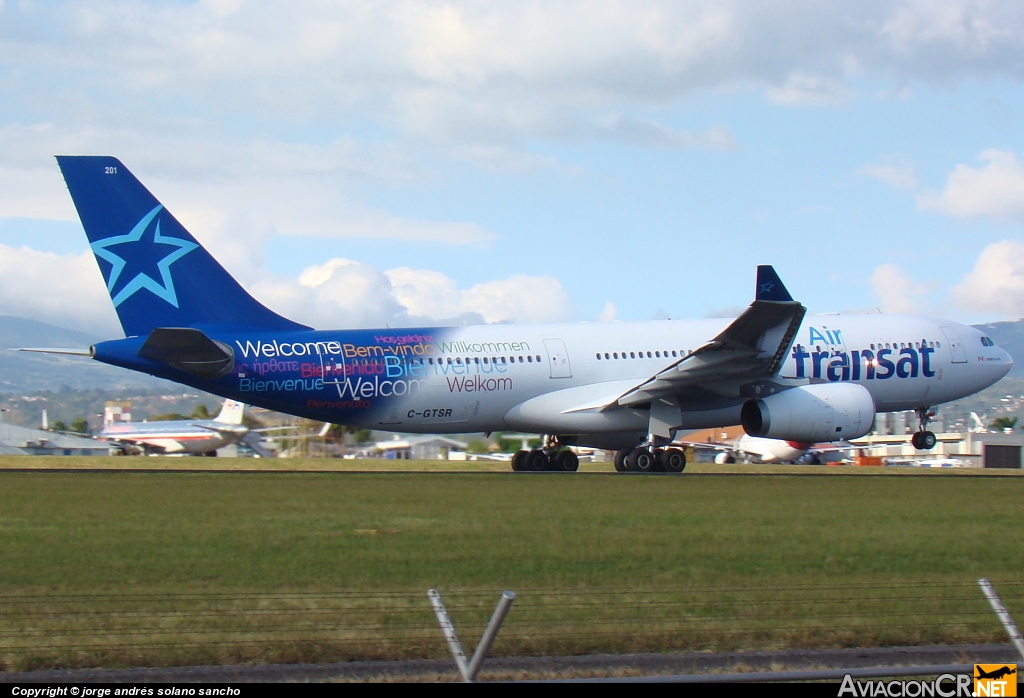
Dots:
pixel 147 445
pixel 226 429
pixel 743 360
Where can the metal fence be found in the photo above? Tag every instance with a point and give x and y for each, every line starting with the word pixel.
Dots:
pixel 47 630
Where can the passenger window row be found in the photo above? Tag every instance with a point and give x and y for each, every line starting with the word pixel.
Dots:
pixel 903 345
pixel 608 356
pixel 485 360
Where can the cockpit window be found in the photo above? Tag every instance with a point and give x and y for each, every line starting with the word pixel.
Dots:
pixel 987 342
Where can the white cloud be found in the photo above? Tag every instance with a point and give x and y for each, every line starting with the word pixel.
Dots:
pixel 502 159
pixel 426 293
pixel 67 290
pixel 609 313
pixel 810 90
pixel 344 293
pixel 996 284
pixel 30 183
pixel 896 292
pixel 933 35
pixel 467 72
pixel 519 298
pixel 995 190
pixel 172 88
pixel 234 197
pixel 900 177
pixel 645 132
pixel 64 290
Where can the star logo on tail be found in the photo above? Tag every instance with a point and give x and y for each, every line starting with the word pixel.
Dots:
pixel 767 287
pixel 142 256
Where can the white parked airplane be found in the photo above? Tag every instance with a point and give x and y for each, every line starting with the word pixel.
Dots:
pixel 188 436
pixel 626 386
pixel 757 449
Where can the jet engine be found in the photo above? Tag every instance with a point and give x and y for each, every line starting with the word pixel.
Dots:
pixel 809 413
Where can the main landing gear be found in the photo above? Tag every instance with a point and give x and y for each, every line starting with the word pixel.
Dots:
pixel 923 440
pixel 662 458
pixel 549 458
pixel 648 460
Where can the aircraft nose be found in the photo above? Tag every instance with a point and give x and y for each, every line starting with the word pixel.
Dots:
pixel 1006 361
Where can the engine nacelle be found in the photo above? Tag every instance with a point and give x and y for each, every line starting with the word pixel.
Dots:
pixel 809 413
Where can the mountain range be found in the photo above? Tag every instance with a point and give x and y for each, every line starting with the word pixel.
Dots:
pixel 21 372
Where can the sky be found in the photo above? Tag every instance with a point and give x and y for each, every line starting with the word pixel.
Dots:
pixel 357 164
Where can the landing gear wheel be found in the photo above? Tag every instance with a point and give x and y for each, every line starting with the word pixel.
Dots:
pixel 923 440
pixel 620 461
pixel 537 461
pixel 519 461
pixel 567 462
pixel 672 460
pixel 640 461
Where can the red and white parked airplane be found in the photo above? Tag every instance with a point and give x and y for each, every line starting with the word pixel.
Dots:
pixel 187 436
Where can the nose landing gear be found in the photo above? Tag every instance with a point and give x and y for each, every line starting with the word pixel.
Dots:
pixel 923 440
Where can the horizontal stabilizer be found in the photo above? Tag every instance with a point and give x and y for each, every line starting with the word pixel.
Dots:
pixel 57 350
pixel 228 429
pixel 189 350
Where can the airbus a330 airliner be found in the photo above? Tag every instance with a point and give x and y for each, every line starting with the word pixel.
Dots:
pixel 623 386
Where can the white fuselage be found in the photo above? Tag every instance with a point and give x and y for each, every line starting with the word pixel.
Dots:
pixel 554 378
pixel 178 437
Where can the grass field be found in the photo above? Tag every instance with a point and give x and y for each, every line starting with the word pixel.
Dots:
pixel 411 466
pixel 163 568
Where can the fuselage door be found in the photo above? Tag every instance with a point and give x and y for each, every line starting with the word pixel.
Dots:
pixel 956 347
pixel 558 358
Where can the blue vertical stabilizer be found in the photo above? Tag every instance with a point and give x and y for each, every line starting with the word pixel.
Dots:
pixel 157 274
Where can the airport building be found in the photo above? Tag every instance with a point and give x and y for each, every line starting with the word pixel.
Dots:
pixel 422 448
pixel 1000 450
pixel 22 441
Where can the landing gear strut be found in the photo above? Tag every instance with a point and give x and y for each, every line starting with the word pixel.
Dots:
pixel 923 440
pixel 551 457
